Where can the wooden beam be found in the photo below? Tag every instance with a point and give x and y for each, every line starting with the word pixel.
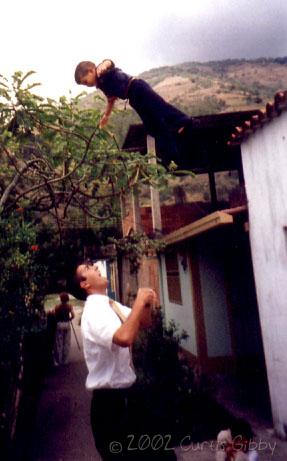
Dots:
pixel 216 219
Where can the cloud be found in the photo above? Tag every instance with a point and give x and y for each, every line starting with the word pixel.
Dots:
pixel 241 29
pixel 51 37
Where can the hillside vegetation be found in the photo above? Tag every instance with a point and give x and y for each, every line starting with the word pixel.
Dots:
pixel 208 88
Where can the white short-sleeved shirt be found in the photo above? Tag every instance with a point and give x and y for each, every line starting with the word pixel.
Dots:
pixel 109 365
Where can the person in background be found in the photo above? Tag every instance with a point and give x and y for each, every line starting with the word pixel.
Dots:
pixel 64 314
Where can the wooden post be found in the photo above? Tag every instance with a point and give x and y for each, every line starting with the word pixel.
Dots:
pixel 136 214
pixel 212 187
pixel 154 193
pixel 131 221
pixel 149 270
pixel 130 212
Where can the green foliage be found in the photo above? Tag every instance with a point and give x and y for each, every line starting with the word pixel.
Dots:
pixel 61 181
pixel 207 105
pixel 62 173
pixel 58 163
pixel 135 246
pixel 171 397
pixel 156 354
pixel 22 285
pixel 165 381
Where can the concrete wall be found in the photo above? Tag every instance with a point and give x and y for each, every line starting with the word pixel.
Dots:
pixel 215 309
pixel 183 314
pixel 214 299
pixel 264 157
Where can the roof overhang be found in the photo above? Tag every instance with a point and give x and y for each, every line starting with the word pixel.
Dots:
pixel 212 221
pixel 252 124
pixel 203 143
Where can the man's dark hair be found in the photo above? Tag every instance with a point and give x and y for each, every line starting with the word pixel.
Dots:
pixel 73 284
pixel 78 278
pixel 82 70
pixel 74 281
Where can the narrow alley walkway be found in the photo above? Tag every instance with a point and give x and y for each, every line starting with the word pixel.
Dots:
pixel 63 428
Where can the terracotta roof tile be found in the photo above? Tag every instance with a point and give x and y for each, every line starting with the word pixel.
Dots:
pixel 248 127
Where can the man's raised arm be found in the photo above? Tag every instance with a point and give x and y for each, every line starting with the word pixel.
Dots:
pixel 128 331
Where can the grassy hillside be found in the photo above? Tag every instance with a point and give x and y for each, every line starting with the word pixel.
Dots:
pixel 207 88
pixel 220 86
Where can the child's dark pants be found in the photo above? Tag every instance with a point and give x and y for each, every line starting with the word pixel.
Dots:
pixel 161 119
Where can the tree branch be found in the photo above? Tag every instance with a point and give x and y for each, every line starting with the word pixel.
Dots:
pixel 16 179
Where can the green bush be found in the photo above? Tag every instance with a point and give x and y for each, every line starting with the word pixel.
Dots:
pixel 22 284
pixel 165 380
pixel 171 399
pixel 22 289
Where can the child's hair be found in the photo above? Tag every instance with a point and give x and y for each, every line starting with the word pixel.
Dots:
pixel 82 70
pixel 64 297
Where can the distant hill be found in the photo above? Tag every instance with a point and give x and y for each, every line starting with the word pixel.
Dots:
pixel 208 88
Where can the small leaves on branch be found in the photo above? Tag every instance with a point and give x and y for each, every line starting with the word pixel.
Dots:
pixel 58 163
pixel 136 245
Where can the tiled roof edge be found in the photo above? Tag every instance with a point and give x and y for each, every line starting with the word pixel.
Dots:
pixel 249 127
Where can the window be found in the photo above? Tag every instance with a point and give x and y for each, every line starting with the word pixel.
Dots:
pixel 173 278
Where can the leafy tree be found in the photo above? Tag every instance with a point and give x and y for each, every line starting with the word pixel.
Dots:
pixel 59 173
pixel 58 164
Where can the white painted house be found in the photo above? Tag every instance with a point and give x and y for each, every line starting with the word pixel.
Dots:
pixel 264 157
pixel 205 278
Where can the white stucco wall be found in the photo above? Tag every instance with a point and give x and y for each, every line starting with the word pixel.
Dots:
pixel 183 314
pixel 214 301
pixel 264 157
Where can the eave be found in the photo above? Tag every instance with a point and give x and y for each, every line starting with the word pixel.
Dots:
pixel 209 222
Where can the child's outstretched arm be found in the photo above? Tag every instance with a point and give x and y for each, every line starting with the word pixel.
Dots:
pixel 110 104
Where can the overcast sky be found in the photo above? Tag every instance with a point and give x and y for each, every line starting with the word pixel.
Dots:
pixel 52 36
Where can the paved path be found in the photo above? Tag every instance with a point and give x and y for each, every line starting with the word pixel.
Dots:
pixel 63 428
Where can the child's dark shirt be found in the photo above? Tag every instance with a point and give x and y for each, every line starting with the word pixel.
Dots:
pixel 114 82
pixel 161 119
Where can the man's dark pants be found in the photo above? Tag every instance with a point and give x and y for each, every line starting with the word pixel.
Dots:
pixel 116 435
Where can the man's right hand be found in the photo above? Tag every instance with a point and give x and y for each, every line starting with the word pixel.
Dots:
pixel 146 297
pixel 140 317
pixel 146 300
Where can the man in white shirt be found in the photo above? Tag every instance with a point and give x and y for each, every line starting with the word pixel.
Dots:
pixel 109 329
